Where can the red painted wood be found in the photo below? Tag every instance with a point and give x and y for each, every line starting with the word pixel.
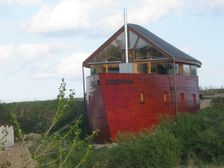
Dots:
pixel 114 101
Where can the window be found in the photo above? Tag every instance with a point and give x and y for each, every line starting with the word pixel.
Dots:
pixel 132 39
pixel 113 69
pixel 182 98
pixel 186 69
pixel 169 68
pixel 93 71
pixel 194 98
pixel 177 69
pixel 162 68
pixel 97 69
pixel 165 97
pixel 110 53
pixel 142 68
pixel 154 68
pixel 193 70
pixel 141 53
pixel 142 97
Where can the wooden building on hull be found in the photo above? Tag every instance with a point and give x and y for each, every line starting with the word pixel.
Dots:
pixel 158 79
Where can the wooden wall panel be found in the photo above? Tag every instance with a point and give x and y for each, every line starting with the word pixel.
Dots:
pixel 118 106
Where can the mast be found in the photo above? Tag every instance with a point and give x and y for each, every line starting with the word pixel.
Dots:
pixel 126 36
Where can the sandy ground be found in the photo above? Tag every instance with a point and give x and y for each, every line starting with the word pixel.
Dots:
pixel 17 157
pixel 207 100
pixel 205 103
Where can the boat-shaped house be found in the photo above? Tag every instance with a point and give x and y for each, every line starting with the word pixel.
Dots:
pixel 122 96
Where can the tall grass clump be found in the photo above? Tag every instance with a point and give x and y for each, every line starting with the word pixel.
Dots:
pixel 200 134
pixel 210 146
pixel 192 140
pixel 147 149
pixel 64 147
pixel 186 129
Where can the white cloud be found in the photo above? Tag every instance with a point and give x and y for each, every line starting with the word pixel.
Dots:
pixel 6 52
pixel 84 14
pixel 20 2
pixel 68 14
pixel 213 3
pixel 151 11
pixel 34 51
pixel 72 66
pixel 67 67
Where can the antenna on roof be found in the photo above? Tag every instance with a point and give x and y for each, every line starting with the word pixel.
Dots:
pixel 126 35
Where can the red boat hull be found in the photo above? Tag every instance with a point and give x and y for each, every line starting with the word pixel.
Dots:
pixel 131 102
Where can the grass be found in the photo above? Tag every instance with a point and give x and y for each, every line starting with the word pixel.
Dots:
pixel 194 140
pixel 56 147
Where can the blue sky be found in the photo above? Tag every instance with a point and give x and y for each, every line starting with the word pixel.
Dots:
pixel 43 41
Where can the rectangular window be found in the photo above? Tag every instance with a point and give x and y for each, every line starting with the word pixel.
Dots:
pixel 95 69
pixel 165 97
pixel 153 68
pixel 161 68
pixel 143 68
pixel 169 68
pixel 182 98
pixel 194 98
pixel 141 53
pixel 186 70
pixel 193 70
pixel 113 69
pixel 142 97
pixel 177 69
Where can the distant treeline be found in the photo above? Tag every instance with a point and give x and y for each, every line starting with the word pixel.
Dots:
pixel 36 116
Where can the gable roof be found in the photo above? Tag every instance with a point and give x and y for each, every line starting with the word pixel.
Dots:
pixel 163 46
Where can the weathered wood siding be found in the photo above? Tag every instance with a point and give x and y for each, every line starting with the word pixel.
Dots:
pixel 131 102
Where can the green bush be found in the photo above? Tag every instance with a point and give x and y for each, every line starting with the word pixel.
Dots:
pixel 36 116
pixel 218 102
pixel 201 134
pixel 210 144
pixel 193 140
pixel 4 115
pixel 147 149
pixel 186 128
pixel 64 147
pixel 99 158
pixel 32 116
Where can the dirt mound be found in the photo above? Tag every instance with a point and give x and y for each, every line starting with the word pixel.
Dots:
pixel 18 157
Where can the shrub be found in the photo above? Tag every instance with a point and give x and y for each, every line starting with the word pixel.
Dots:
pixel 186 129
pixel 35 117
pixel 147 149
pixel 218 102
pixel 210 144
pixel 201 134
pixel 4 115
pixel 63 148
